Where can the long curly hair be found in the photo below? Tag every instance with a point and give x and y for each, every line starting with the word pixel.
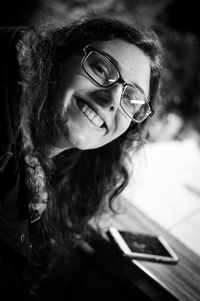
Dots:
pixel 81 184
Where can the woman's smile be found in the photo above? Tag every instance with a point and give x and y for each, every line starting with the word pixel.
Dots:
pixel 90 113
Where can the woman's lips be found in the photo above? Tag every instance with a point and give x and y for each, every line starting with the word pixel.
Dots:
pixel 90 113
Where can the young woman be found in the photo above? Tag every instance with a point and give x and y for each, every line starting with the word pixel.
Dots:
pixel 74 101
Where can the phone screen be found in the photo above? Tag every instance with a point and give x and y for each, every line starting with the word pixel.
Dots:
pixel 141 243
pixel 143 246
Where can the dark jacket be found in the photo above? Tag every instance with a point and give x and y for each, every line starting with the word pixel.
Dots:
pixel 14 240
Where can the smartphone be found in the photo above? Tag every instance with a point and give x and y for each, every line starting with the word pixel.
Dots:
pixel 142 246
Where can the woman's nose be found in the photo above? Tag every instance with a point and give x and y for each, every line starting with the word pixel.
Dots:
pixel 110 97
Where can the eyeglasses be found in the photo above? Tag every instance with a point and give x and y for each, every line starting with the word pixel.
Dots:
pixel 102 70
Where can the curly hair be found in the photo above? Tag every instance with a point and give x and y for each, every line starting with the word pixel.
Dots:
pixel 80 184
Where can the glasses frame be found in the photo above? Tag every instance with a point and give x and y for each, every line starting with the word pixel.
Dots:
pixel 87 51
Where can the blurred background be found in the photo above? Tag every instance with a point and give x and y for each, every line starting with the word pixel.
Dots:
pixel 165 183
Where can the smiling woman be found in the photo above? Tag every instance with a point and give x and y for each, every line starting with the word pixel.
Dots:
pixel 78 99
pixel 98 104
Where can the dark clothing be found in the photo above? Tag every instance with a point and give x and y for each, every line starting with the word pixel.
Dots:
pixel 14 241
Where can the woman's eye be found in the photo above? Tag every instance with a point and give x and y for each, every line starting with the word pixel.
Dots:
pixel 100 70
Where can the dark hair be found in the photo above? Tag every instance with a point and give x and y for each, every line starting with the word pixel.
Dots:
pixel 80 183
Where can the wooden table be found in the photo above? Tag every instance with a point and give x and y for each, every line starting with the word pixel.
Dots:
pixel 97 270
pixel 182 279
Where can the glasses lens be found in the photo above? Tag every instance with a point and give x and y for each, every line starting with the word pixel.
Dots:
pixel 134 104
pixel 100 69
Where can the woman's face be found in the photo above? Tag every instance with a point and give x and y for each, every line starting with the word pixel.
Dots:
pixel 91 115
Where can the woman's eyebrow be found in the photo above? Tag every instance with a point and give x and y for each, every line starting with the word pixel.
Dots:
pixel 139 88
pixel 114 61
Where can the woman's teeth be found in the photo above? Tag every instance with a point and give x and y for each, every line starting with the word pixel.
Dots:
pixel 91 115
